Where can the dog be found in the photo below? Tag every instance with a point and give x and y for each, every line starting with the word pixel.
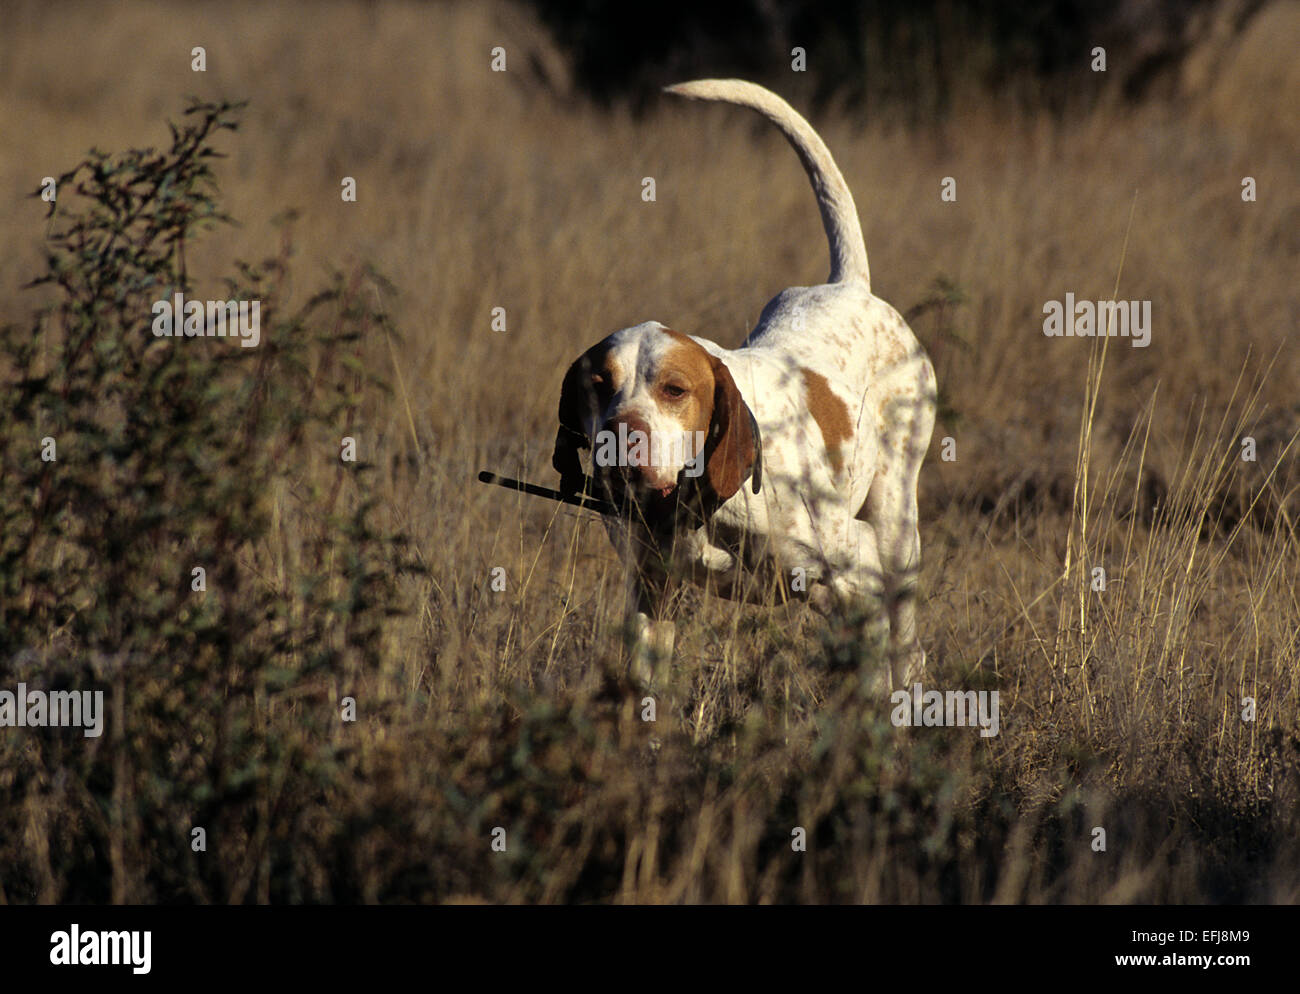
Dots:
pixel 795 456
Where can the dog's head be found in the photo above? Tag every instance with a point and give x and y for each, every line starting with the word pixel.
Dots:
pixel 660 414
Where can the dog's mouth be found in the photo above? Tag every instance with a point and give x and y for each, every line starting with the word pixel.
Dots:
pixel 641 500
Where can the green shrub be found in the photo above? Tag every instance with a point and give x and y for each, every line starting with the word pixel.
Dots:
pixel 171 454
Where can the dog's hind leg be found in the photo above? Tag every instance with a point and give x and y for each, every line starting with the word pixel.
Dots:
pixel 891 509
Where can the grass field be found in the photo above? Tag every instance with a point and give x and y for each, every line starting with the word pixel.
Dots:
pixel 1121 709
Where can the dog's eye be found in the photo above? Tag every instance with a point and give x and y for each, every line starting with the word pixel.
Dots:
pixel 674 391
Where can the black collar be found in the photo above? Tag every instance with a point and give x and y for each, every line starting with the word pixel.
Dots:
pixel 756 470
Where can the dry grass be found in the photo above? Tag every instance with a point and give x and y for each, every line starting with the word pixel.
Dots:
pixel 1120 709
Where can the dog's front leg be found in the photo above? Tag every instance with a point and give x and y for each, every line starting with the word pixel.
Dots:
pixel 649 635
pixel 650 646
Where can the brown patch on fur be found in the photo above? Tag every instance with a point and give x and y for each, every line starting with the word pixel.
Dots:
pixel 735 448
pixel 831 415
pixel 691 364
pixel 718 409
pixel 611 375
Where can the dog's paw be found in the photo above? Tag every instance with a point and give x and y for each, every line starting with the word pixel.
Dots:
pixel 650 647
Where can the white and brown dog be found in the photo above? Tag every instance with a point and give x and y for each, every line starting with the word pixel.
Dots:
pixel 812 436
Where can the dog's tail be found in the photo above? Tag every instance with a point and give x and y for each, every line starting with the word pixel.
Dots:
pixel 839 215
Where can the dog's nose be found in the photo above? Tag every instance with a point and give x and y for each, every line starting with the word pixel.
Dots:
pixel 633 450
pixel 630 423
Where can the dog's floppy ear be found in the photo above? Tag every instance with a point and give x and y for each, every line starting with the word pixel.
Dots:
pixel 578 403
pixel 733 453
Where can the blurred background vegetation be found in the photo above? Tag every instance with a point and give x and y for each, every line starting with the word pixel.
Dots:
pixel 909 59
